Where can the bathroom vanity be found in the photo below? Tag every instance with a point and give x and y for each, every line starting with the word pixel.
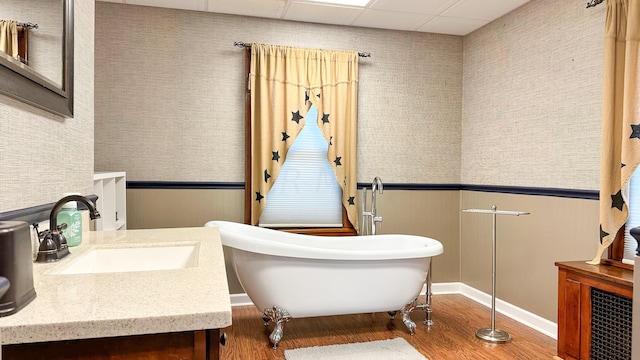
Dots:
pixel 165 297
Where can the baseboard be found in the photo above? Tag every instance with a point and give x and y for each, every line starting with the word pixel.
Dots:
pixel 522 316
pixel 240 300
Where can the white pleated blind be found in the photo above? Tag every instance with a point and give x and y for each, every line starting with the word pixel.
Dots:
pixel 306 193
pixel 630 244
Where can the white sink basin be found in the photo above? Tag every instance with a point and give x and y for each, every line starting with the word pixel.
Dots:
pixel 106 260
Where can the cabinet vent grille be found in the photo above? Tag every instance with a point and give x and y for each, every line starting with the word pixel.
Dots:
pixel 610 326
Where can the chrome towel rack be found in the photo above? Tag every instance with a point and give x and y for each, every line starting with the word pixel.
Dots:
pixel 491 334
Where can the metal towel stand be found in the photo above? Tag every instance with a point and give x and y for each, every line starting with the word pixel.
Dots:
pixel 492 334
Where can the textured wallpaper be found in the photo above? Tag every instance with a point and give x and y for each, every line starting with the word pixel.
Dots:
pixel 514 103
pixel 532 97
pixel 170 94
pixel 42 155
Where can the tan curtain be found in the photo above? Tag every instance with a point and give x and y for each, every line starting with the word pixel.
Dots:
pixel 620 116
pixel 9 38
pixel 285 82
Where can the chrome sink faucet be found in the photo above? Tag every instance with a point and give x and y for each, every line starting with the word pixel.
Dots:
pixel 53 245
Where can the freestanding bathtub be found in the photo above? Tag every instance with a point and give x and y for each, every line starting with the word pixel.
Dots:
pixel 294 276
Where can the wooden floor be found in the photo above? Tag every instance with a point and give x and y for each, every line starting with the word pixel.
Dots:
pixel 452 337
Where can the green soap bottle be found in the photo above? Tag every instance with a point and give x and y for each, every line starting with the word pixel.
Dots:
pixel 70 215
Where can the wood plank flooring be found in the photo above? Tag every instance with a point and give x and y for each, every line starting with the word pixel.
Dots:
pixel 452 337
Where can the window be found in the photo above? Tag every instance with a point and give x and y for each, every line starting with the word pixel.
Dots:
pixel 298 97
pixel 630 244
pixel 306 193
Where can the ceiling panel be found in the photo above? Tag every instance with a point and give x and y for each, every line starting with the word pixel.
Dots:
pixel 198 5
pixel 482 10
pixel 390 20
pixel 321 13
pixel 259 8
pixel 452 26
pixel 430 7
pixel 455 17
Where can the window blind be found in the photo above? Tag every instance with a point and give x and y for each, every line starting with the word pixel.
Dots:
pixel 306 193
pixel 630 244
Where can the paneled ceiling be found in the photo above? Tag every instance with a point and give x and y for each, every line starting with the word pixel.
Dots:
pixel 454 17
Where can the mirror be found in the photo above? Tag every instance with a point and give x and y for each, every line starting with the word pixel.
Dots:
pixel 39 85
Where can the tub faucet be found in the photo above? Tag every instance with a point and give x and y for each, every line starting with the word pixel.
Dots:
pixel 375 185
pixel 53 245
pixel 369 218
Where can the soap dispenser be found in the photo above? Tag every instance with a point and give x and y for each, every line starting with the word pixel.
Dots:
pixel 16 265
pixel 70 215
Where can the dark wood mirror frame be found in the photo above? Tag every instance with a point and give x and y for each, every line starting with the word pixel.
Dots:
pixel 23 83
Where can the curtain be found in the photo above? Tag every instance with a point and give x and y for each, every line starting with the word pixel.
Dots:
pixel 620 117
pixel 284 83
pixel 9 38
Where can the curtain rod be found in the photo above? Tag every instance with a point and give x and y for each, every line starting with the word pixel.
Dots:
pixel 247 46
pixel 593 3
pixel 28 25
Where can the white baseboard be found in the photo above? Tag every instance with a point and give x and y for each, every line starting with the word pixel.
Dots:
pixel 522 316
pixel 240 300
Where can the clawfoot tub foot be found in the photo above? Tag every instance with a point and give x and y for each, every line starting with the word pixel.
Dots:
pixel 406 311
pixel 392 314
pixel 279 317
pixel 276 335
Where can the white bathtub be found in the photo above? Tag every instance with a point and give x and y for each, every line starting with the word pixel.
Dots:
pixel 294 276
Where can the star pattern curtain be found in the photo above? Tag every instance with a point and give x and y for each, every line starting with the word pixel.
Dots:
pixel 620 117
pixel 284 83
pixel 9 38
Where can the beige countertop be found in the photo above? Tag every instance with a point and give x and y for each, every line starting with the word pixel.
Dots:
pixel 81 306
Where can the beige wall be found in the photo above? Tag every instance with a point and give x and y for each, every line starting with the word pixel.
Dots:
pixel 161 208
pixel 557 229
pixel 532 97
pixel 531 117
pixel 515 103
pixel 170 89
pixel 434 214
pixel 428 213
pixel 156 208
pixel 42 155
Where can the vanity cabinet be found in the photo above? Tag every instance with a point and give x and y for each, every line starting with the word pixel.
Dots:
pixel 173 313
pixel 111 189
pixel 196 345
pixel 582 320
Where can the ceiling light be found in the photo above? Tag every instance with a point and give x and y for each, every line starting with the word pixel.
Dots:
pixel 360 3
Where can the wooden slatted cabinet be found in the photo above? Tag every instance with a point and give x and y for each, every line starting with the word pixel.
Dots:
pixel 575 281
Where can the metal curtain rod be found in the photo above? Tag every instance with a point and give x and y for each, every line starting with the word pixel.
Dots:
pixel 593 3
pixel 245 45
pixel 28 25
